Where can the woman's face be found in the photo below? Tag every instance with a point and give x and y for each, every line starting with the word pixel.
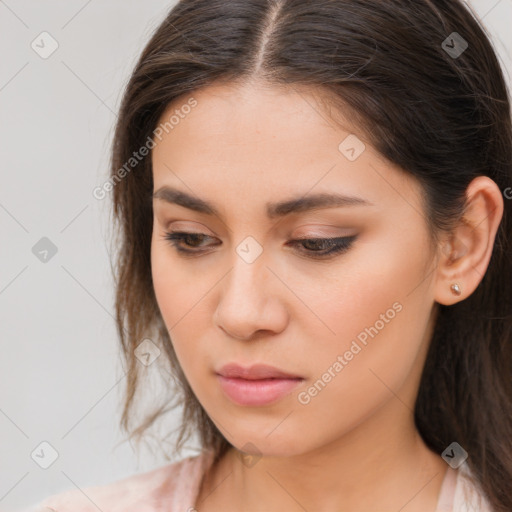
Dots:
pixel 354 325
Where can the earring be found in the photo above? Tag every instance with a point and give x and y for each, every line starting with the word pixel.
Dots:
pixel 455 289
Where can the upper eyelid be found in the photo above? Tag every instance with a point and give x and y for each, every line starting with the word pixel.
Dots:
pixel 319 225
pixel 165 220
pixel 305 237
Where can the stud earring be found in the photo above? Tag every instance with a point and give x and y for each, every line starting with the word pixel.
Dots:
pixel 455 289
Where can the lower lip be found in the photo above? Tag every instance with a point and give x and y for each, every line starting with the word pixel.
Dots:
pixel 257 392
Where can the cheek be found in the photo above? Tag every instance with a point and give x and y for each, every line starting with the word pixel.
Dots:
pixel 181 294
pixel 177 282
pixel 378 310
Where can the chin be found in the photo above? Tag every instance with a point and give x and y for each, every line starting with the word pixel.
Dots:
pixel 259 444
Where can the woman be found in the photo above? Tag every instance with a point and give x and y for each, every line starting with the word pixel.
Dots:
pixel 314 207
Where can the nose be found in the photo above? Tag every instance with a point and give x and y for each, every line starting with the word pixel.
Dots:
pixel 251 300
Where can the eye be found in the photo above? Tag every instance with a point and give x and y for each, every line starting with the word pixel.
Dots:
pixel 188 243
pixel 327 246
pixel 190 239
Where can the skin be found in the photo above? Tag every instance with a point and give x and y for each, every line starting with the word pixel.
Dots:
pixel 354 446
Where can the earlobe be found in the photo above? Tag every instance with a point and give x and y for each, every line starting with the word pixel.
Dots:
pixel 466 252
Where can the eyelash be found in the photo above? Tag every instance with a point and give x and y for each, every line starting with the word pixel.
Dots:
pixel 339 244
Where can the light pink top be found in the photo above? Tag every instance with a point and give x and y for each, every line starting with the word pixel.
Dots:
pixel 175 487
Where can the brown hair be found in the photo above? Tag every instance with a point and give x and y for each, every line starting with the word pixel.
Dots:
pixel 443 118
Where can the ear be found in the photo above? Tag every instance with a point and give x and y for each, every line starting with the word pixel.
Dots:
pixel 466 251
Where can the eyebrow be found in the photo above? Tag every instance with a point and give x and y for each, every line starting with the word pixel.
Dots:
pixel 278 209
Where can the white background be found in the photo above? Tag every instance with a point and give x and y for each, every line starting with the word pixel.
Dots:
pixel 61 374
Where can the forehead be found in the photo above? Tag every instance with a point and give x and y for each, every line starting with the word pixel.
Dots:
pixel 249 141
pixel 252 118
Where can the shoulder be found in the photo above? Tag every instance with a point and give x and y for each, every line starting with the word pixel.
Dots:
pixel 468 496
pixel 170 487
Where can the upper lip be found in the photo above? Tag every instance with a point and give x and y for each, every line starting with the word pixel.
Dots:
pixel 254 372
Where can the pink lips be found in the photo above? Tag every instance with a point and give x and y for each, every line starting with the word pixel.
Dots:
pixel 256 385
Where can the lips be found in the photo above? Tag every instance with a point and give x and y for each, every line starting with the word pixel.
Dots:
pixel 255 372
pixel 257 385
